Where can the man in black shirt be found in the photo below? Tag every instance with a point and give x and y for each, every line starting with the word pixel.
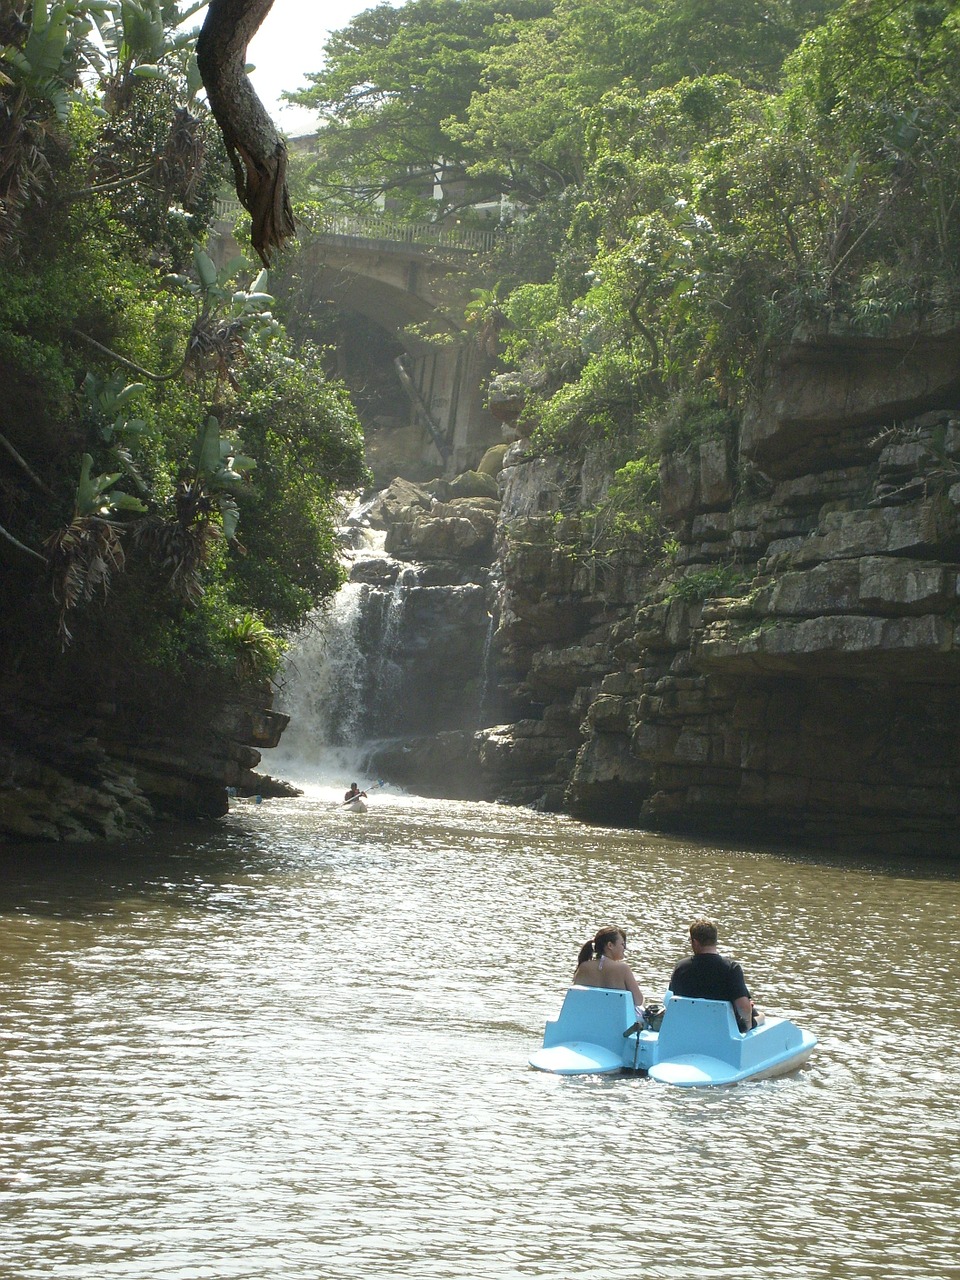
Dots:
pixel 707 975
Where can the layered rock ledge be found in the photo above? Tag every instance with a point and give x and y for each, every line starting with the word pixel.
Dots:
pixel 795 675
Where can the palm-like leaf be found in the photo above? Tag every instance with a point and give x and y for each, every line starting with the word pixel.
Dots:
pixel 82 557
pixel 179 549
pixel 34 91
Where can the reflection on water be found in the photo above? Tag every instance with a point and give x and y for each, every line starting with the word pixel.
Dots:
pixel 295 1046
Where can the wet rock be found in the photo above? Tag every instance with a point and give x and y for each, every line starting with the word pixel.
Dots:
pixel 397 501
pixel 442 764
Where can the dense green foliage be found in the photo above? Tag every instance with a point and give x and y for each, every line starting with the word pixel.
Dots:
pixel 688 184
pixel 303 432
pixel 170 460
pixel 497 102
pixel 713 219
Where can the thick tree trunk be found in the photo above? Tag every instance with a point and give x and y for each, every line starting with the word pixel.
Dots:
pixel 257 152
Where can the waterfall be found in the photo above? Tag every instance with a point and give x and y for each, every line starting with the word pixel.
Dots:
pixel 387 680
pixel 485 669
pixel 399 656
pixel 321 689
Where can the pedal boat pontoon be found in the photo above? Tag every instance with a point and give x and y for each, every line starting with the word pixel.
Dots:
pixel 699 1043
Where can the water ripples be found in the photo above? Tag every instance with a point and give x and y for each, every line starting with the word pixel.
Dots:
pixel 297 1048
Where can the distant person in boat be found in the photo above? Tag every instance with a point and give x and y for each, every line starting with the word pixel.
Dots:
pixel 601 964
pixel 707 975
pixel 354 793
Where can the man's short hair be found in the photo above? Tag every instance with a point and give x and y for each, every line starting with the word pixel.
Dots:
pixel 704 932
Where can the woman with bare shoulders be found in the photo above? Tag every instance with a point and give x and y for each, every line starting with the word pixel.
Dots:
pixel 601 964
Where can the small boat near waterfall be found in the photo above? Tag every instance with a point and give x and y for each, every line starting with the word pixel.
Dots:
pixel 356 805
pixel 234 798
pixel 698 1043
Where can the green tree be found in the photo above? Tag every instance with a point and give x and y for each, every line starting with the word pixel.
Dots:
pixel 526 129
pixel 305 436
pixel 391 81
pixel 674 40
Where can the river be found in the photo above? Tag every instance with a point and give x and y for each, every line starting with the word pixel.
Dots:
pixel 293 1045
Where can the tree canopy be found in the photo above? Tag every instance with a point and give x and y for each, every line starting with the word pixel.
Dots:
pixel 500 100
pixel 392 81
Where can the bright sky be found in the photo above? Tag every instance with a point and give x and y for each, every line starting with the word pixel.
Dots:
pixel 288 45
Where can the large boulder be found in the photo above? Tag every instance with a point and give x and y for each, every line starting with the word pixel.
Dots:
pixel 397 501
pixel 472 484
pixel 491 464
pixel 459 530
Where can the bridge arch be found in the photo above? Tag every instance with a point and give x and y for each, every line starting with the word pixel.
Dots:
pixel 412 281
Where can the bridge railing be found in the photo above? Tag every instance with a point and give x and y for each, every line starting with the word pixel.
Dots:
pixel 372 227
pixel 376 227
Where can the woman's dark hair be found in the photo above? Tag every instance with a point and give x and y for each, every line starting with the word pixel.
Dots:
pixel 600 939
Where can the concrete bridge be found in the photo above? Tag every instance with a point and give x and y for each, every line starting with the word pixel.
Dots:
pixel 412 281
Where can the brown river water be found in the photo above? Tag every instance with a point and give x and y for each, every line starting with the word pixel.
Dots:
pixel 294 1046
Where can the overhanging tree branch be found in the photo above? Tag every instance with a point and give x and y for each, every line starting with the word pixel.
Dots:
pixel 144 373
pixel 257 152
pixel 24 465
pixel 15 542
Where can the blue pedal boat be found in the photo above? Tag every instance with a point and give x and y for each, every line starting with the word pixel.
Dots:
pixel 698 1043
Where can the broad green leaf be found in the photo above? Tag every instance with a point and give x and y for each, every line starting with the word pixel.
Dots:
pixel 230 269
pixel 126 502
pixel 86 491
pixel 56 94
pixel 194 79
pixel 103 482
pixel 230 513
pixel 129 391
pixel 131 469
pixel 205 268
pixel 208 447
pixel 143 30
pixel 47 40
pixel 182 282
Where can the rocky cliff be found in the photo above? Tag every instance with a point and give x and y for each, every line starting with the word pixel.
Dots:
pixel 791 672
pixel 795 674
pixel 116 769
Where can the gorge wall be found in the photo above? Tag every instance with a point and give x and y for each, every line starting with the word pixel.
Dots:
pixel 790 673
pixel 794 672
pixel 114 769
